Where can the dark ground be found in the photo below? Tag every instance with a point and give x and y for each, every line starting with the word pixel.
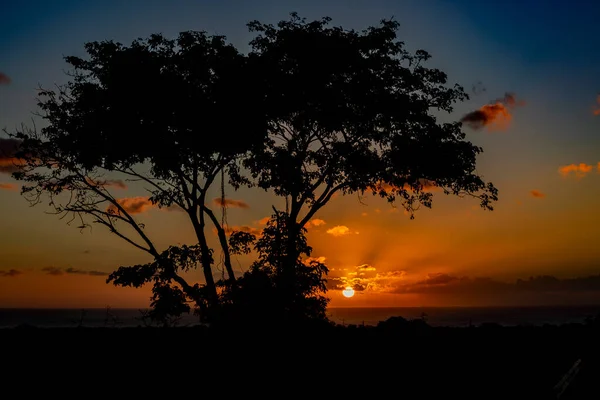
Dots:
pixel 399 362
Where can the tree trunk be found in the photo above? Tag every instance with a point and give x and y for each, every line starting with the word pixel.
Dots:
pixel 227 256
pixel 224 243
pixel 205 259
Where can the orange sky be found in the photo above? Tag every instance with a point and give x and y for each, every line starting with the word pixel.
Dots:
pixel 541 150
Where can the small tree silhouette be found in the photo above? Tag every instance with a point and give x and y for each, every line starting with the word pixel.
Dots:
pixel 274 291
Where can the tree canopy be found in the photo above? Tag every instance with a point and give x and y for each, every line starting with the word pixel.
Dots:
pixel 159 112
pixel 352 113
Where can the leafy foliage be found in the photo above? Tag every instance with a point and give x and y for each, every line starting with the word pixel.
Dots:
pixel 273 290
pixel 159 113
pixel 352 112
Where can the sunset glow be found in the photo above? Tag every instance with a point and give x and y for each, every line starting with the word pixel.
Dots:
pixel 541 149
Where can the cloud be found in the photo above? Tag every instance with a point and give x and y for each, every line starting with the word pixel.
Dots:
pixel 4 79
pixel 340 230
pixel 447 288
pixel 263 221
pixel 116 183
pixel 579 170
pixel 9 186
pixel 320 259
pixel 596 109
pixel 74 271
pixel 132 205
pixel 496 115
pixel 84 272
pixel 231 203
pixel 537 194
pixel 437 279
pixel 364 214
pixel 537 290
pixel 8 162
pixel 11 273
pixel 53 271
pixel 365 277
pixel 314 222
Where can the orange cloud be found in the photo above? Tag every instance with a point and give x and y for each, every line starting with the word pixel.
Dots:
pixel 596 109
pixel 8 162
pixel 230 203
pixel 132 205
pixel 340 230
pixel 579 171
pixel 495 116
pixel 4 79
pixel 314 222
pixel 263 221
pixel 366 278
pixel 537 194
pixel 9 186
pixel 320 259
pixel 11 273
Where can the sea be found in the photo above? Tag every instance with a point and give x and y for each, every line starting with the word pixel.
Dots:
pixel 435 316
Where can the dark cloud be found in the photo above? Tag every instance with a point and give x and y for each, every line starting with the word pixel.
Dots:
pixel 497 114
pixel 231 203
pixel 4 79
pixel 537 194
pixel 84 272
pixel 10 273
pixel 116 183
pixel 53 271
pixel 437 279
pixel 538 290
pixel 97 273
pixel 133 205
pixel 60 271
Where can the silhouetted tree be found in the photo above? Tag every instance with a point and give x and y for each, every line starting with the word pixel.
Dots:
pixel 312 111
pixel 271 290
pixel 172 114
pixel 353 112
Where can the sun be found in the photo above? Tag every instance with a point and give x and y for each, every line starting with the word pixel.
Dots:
pixel 348 292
